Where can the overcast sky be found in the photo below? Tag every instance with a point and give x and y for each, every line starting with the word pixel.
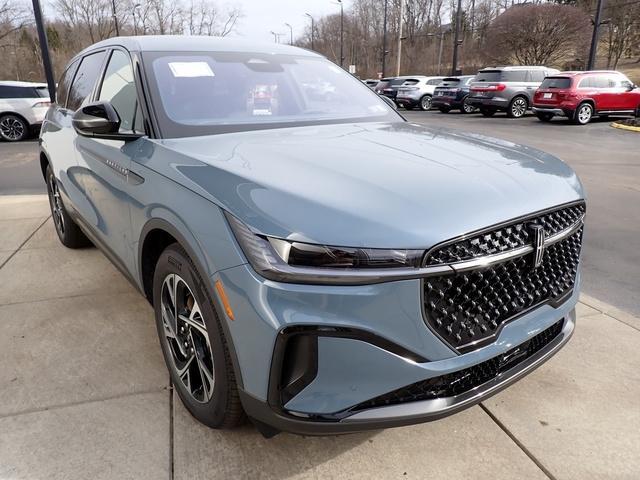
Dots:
pixel 263 16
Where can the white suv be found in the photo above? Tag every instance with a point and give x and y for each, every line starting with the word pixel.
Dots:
pixel 417 92
pixel 22 109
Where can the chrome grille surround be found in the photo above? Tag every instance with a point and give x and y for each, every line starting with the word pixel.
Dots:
pixel 495 278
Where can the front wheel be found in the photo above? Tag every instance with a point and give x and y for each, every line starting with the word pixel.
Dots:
pixel 13 128
pixel 425 103
pixel 517 107
pixel 583 114
pixel 193 342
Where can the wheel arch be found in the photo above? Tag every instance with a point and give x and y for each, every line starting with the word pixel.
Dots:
pixel 11 112
pixel 44 162
pixel 156 235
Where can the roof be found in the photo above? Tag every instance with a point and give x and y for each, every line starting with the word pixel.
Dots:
pixel 11 83
pixel 194 43
pixel 587 72
pixel 517 67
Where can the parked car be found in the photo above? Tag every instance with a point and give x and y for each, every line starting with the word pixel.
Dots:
pixel 324 268
pixel 381 85
pixel 581 95
pixel 507 89
pixel 371 83
pixel 453 92
pixel 417 92
pixel 23 106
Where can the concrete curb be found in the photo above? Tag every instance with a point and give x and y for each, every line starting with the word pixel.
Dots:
pixel 611 311
pixel 625 127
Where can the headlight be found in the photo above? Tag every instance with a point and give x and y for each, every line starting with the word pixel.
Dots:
pixel 296 262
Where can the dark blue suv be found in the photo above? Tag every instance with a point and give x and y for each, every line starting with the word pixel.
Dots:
pixel 452 93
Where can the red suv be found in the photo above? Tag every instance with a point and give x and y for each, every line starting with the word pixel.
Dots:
pixel 581 95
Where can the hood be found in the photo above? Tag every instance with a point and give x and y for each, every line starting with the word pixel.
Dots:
pixel 377 185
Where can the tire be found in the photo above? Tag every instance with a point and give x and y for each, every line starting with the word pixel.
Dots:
pixel 517 107
pixel 467 107
pixel 445 109
pixel 544 117
pixel 583 114
pixel 68 231
pixel 487 112
pixel 425 103
pixel 207 385
pixel 13 128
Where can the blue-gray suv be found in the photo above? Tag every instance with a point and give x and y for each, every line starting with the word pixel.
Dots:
pixel 315 262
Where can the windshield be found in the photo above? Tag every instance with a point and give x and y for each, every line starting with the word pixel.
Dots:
pixel 556 82
pixel 217 92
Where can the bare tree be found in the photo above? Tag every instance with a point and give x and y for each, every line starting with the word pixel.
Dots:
pixel 622 31
pixel 536 34
pixel 13 16
pixel 205 18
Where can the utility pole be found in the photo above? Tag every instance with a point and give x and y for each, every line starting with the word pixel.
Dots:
pixel 115 18
pixel 594 37
pixel 384 38
pixel 312 29
pixel 341 33
pixel 44 49
pixel 440 53
pixel 456 42
pixel 399 60
pixel 291 33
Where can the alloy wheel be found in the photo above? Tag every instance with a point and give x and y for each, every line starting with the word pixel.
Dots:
pixel 56 204
pixel 518 107
pixel 425 102
pixel 584 113
pixel 467 107
pixel 11 128
pixel 185 333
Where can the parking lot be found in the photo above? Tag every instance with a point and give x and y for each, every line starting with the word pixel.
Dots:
pixel 84 392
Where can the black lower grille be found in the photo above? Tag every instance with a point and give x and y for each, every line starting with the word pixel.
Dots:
pixel 462 381
pixel 467 309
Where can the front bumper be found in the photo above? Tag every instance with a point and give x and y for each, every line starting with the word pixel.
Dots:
pixel 409 413
pixel 388 346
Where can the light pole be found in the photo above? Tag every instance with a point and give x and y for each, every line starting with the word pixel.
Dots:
pixel 312 29
pixel 115 19
pixel 456 41
pixel 135 25
pixel 275 36
pixel 594 36
pixel 399 59
pixel 44 49
pixel 291 33
pixel 341 33
pixel 384 39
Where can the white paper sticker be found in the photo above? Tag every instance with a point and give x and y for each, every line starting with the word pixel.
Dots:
pixel 191 69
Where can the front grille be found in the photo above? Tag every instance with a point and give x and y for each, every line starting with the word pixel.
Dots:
pixel 506 237
pixel 462 381
pixel 467 308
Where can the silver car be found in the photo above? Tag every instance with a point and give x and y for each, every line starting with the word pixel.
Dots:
pixel 507 89
pixel 23 106
pixel 417 92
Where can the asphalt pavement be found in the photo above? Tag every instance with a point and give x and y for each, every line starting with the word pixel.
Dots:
pixel 607 160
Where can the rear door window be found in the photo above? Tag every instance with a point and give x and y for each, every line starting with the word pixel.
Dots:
pixel 536 76
pixel 85 80
pixel 556 82
pixel 489 76
pixel 586 82
pixel 7 91
pixel 514 76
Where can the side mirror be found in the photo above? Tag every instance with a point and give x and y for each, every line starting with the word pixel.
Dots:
pixel 391 103
pixel 100 120
pixel 629 86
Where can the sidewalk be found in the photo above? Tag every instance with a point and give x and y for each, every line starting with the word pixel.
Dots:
pixel 84 393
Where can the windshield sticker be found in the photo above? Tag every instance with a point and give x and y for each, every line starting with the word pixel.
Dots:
pixel 191 69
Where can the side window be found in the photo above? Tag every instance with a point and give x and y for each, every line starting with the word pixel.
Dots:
pixel 514 76
pixel 119 89
pixel 586 82
pixel 536 76
pixel 601 81
pixel 434 81
pixel 84 80
pixel 7 91
pixel 63 85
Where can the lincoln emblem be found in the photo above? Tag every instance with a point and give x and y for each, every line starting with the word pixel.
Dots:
pixel 538 244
